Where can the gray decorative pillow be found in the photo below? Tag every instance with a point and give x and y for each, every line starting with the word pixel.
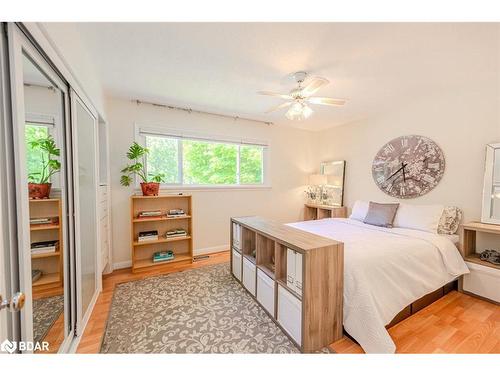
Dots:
pixel 381 214
pixel 450 220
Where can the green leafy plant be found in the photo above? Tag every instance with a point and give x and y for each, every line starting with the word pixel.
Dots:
pixel 49 164
pixel 137 154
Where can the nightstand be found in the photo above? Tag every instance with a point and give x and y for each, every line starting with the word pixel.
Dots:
pixel 484 277
pixel 314 211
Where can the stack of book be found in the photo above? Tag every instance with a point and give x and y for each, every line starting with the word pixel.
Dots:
pixel 175 212
pixel 144 214
pixel 44 247
pixel 176 233
pixel 41 220
pixel 162 256
pixel 151 235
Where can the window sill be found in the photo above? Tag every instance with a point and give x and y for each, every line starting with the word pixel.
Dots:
pixel 179 188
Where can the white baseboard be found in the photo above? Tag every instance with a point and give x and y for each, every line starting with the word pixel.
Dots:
pixel 120 265
pixel 196 252
pixel 210 250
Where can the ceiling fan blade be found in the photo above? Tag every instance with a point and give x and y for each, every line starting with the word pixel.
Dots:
pixel 326 101
pixel 270 93
pixel 314 85
pixel 281 106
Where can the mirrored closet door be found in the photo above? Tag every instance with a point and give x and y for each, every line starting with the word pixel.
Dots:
pixel 84 128
pixel 40 120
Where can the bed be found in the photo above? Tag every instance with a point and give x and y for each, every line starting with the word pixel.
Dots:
pixel 385 270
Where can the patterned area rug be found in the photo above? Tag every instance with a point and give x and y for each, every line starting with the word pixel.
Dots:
pixel 196 311
pixel 45 313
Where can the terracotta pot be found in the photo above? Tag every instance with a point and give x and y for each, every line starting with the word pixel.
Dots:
pixel 150 188
pixel 39 191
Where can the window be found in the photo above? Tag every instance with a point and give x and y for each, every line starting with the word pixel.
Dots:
pixel 163 158
pixel 204 162
pixel 34 157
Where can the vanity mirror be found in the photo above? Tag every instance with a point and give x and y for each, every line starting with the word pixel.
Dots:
pixel 333 191
pixel 491 189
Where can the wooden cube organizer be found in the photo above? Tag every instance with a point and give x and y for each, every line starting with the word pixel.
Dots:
pixel 319 318
pixel 142 252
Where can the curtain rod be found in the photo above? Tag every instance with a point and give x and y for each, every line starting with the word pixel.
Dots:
pixel 190 110
pixel 51 88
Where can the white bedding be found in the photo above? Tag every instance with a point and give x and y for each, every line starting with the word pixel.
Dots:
pixel 386 269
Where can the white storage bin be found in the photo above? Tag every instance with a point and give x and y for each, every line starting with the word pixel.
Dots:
pixel 265 291
pixel 294 270
pixel 237 236
pixel 249 275
pixel 237 264
pixel 483 281
pixel 290 314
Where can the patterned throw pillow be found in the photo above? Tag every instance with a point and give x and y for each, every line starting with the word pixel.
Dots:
pixel 450 220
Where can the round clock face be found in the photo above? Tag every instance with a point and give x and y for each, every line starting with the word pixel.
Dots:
pixel 408 166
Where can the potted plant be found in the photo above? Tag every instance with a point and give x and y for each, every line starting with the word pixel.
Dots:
pixel 39 182
pixel 150 184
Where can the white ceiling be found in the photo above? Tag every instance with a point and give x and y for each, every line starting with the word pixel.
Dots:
pixel 220 66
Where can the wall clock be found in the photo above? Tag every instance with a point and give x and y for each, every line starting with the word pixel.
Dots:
pixel 408 166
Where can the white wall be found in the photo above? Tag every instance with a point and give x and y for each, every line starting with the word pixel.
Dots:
pixel 461 121
pixel 66 39
pixel 291 161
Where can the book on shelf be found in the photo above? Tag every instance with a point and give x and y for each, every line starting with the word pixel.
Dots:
pixel 153 213
pixel 161 256
pixel 41 220
pixel 46 250
pixel 44 247
pixel 151 235
pixel 176 233
pixel 176 212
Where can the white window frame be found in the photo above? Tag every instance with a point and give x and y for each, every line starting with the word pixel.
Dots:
pixel 141 131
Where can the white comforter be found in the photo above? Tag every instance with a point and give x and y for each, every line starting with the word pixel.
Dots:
pixel 386 269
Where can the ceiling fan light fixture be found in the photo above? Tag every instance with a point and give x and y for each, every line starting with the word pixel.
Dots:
pixel 298 112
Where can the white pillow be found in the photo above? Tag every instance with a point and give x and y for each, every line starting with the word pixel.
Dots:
pixel 425 218
pixel 359 210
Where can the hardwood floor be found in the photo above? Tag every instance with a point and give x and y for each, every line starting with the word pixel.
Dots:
pixel 457 323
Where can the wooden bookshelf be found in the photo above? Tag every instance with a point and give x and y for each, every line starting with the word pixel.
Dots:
pixel 142 252
pixel 51 264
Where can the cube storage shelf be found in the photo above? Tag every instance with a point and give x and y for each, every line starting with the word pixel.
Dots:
pixel 51 264
pixel 142 252
pixel 306 303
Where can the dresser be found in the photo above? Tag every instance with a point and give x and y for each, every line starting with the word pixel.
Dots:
pixel 295 276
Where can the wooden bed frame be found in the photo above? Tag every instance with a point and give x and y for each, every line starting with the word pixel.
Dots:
pixel 423 302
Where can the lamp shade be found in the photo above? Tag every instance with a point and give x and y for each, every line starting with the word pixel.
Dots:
pixel 318 179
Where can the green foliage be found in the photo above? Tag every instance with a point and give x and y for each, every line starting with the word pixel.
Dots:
pixel 163 158
pixel 42 154
pixel 251 164
pixel 209 163
pixel 137 154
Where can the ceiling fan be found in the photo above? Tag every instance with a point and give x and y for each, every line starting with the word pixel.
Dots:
pixel 299 97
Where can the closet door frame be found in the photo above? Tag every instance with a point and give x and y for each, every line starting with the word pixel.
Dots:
pixel 82 317
pixel 20 45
